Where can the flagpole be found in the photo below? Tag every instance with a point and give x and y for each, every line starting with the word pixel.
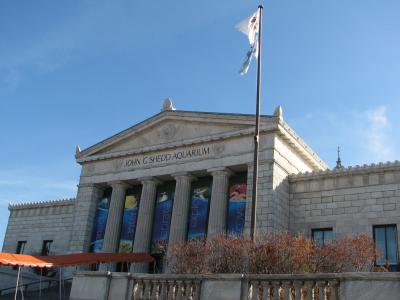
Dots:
pixel 256 132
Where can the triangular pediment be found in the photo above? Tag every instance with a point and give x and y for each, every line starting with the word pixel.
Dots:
pixel 169 131
pixel 168 128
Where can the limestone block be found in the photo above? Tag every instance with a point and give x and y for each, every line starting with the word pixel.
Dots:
pixel 389 193
pixel 389 206
pixel 370 290
pixel 90 287
pixel 351 210
pixel 338 211
pixel 327 211
pixel 373 179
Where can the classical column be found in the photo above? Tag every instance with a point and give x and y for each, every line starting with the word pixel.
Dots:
pixel 219 201
pixel 114 219
pixel 145 222
pixel 180 210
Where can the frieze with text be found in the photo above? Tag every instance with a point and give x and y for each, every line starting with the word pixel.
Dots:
pixel 167 157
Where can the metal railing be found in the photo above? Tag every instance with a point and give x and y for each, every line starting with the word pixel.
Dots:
pixel 38 283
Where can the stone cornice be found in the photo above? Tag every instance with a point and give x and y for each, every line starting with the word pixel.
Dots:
pixel 268 124
pixel 222 118
pixel 190 142
pixel 39 204
pixel 300 147
pixel 349 171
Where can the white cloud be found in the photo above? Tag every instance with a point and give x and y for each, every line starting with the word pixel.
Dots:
pixel 20 187
pixel 378 117
pixel 364 136
pixel 377 133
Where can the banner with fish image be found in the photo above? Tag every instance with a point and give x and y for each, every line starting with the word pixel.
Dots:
pixel 129 224
pixel 199 212
pixel 100 223
pixel 162 221
pixel 236 209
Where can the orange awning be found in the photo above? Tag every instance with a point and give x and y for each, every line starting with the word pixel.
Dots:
pixel 23 260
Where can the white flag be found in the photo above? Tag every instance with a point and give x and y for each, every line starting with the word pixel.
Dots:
pixel 250 28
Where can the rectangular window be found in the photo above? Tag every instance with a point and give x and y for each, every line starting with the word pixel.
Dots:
pixel 322 236
pixel 46 247
pixel 385 237
pixel 21 247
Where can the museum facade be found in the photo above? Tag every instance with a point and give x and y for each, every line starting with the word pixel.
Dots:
pixel 181 175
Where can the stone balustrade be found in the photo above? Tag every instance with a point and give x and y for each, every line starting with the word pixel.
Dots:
pixel 292 287
pixel 133 286
pixel 171 288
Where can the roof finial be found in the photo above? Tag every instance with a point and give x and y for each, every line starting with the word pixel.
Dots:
pixel 278 112
pixel 339 161
pixel 77 150
pixel 167 105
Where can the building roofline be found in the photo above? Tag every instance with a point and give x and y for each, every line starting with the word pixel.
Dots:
pixel 37 204
pixel 156 116
pixel 351 170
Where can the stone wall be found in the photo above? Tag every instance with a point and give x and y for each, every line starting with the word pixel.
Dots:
pixel 264 190
pixel 83 217
pixel 285 161
pixel 278 159
pixel 350 200
pixel 36 222
pixel 339 286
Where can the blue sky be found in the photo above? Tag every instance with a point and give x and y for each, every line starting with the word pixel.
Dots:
pixel 76 72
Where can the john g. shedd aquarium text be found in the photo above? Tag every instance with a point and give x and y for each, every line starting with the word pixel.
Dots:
pixel 166 157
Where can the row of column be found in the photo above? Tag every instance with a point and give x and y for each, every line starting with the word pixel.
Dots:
pixel 180 211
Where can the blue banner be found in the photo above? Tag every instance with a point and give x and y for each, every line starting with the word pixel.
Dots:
pixel 162 222
pixel 129 224
pixel 100 223
pixel 237 209
pixel 199 213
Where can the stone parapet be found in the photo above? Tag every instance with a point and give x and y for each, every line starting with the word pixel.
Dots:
pixel 343 286
pixel 40 204
pixel 348 171
pixel 351 177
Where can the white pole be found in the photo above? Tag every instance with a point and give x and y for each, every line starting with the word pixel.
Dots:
pixel 16 287
pixel 40 284
pixel 21 287
pixel 60 281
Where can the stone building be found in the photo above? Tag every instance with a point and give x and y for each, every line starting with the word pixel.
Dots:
pixel 181 175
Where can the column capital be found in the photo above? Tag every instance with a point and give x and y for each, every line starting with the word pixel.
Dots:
pixel 118 183
pixel 154 180
pixel 185 175
pixel 91 185
pixel 84 185
pixel 220 171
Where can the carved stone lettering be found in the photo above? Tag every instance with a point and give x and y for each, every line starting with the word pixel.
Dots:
pixel 166 157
